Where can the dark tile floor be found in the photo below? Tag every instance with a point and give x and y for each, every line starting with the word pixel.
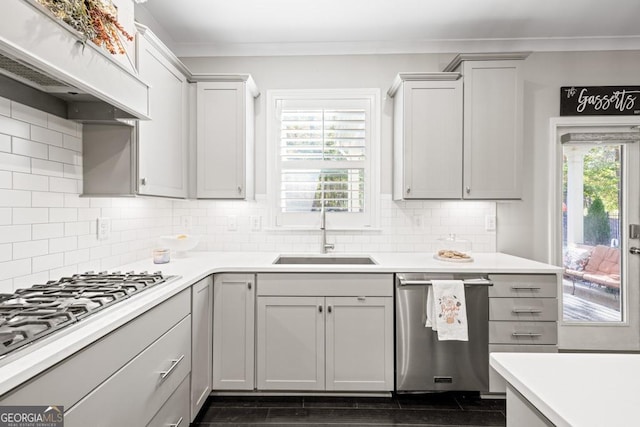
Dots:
pixel 440 409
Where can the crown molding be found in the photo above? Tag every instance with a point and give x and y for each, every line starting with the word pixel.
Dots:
pixel 497 56
pixel 420 76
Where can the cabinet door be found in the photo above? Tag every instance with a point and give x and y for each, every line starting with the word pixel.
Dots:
pixel 290 343
pixel 221 139
pixel 432 139
pixel 233 331
pixel 359 339
pixel 162 141
pixel 201 335
pixel 492 129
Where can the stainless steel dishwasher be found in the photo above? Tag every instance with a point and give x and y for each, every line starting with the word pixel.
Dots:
pixel 423 363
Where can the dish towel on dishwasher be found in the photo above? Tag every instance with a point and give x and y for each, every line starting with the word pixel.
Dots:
pixel 447 310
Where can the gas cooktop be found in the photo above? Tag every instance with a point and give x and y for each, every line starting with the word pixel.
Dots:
pixel 32 313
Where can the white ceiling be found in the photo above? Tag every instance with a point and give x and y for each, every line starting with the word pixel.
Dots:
pixel 287 27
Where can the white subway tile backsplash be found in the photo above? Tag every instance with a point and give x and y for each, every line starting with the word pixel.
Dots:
pixel 10 198
pixel 63 155
pixel 6 179
pixel 28 148
pixel 30 280
pixel 5 143
pixel 12 269
pixel 30 249
pixel 63 185
pixel 47 231
pixel 63 244
pixel 5 216
pixel 74 201
pixel 27 181
pixel 73 171
pixel 5 107
pixel 63 214
pixel 47 262
pixel 76 257
pixel 12 162
pixel 14 127
pixel 47 200
pixel 28 114
pixel 30 215
pixel 45 167
pixel 46 136
pixel 6 253
pixel 79 228
pixel 61 125
pixel 72 143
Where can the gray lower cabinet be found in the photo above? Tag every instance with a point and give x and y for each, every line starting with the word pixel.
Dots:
pixel 523 317
pixel 175 411
pixel 124 378
pixel 233 331
pixel 323 331
pixel 201 342
pixel 138 390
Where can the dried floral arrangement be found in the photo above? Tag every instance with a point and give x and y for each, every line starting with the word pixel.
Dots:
pixel 95 19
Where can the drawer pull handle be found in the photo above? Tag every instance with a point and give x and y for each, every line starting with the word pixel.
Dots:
pixel 526 334
pixel 177 423
pixel 362 298
pixel 525 288
pixel 174 363
pixel 526 310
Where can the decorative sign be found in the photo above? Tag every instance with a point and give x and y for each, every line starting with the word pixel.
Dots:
pixel 600 101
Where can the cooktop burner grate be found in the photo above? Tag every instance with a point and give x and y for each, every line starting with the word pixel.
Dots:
pixel 32 313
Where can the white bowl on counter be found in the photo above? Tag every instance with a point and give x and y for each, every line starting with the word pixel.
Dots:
pixel 179 243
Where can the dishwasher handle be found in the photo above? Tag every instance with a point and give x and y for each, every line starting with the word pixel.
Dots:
pixel 467 282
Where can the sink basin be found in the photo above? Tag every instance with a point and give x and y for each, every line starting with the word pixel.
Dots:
pixel 331 260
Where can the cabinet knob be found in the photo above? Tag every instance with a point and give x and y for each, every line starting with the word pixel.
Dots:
pixel 408 190
pixel 239 190
pixel 468 189
pixel 320 309
pixel 143 181
pixel 249 285
pixel 329 309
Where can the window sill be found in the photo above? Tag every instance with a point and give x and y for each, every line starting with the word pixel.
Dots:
pixel 329 229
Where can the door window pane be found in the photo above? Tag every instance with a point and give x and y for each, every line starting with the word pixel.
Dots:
pixel 591 227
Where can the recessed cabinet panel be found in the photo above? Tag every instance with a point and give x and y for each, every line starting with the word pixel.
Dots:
pixel 162 141
pixel 233 334
pixel 225 139
pixel 492 129
pixel 359 341
pixel 201 336
pixel 291 343
pixel 433 140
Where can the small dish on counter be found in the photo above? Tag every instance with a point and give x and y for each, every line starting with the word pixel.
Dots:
pixel 179 243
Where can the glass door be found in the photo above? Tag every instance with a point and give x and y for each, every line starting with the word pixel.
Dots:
pixel 600 298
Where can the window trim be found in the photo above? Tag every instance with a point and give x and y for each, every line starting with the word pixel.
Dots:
pixel 372 197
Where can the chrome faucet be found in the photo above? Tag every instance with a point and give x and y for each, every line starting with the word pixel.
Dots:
pixel 325 247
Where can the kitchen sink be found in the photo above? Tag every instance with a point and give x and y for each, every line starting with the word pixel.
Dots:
pixel 318 259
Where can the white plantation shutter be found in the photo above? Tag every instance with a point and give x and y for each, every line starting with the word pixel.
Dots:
pixel 323 156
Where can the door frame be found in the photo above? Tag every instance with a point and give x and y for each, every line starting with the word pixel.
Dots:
pixel 569 337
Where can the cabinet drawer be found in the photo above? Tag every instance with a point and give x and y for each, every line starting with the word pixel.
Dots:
pixel 523 285
pixel 175 411
pixel 540 309
pixel 101 359
pixel 138 390
pixel 325 284
pixel 523 332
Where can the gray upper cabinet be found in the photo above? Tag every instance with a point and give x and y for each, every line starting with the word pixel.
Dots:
pixel 149 157
pixel 162 141
pixel 427 136
pixel 225 136
pixel 493 101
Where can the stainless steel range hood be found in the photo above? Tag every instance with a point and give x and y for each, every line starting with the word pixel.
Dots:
pixel 45 66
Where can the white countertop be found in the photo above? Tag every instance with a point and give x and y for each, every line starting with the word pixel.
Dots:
pixel 571 390
pixel 25 363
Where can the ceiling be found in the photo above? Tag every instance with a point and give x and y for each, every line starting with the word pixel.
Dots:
pixel 293 27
